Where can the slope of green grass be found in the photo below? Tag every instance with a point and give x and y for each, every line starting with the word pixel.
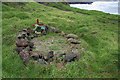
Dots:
pixel 0 40
pixel 101 49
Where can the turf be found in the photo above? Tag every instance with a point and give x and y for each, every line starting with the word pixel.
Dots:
pixel 100 56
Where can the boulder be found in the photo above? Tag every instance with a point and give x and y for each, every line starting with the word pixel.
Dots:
pixel 72 36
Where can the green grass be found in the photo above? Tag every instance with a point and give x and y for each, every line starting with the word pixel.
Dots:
pixel 101 49
pixel 0 53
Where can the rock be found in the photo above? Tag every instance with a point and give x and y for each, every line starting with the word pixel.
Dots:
pixel 22 34
pixel 42 61
pixel 31 44
pixel 24 30
pixel 72 36
pixel 71 57
pixel 19 49
pixel 73 41
pixel 75 50
pixel 50 56
pixel 38 33
pixel 21 42
pixel 36 55
pixel 24 56
pixel 28 48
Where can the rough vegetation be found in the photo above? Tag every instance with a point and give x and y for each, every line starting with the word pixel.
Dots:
pixel 97 31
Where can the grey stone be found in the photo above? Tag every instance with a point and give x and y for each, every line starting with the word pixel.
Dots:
pixel 21 42
pixel 19 49
pixel 71 57
pixel 73 41
pixel 24 56
pixel 72 36
pixel 30 44
pixel 42 61
pixel 36 55
pixel 49 56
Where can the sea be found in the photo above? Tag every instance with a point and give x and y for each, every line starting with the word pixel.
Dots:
pixel 112 7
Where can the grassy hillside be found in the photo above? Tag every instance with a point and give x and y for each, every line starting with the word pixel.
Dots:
pixel 101 49
pixel 0 40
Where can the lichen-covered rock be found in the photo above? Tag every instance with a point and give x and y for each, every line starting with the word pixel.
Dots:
pixel 72 36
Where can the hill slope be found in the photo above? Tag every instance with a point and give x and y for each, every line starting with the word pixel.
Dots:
pixel 97 31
